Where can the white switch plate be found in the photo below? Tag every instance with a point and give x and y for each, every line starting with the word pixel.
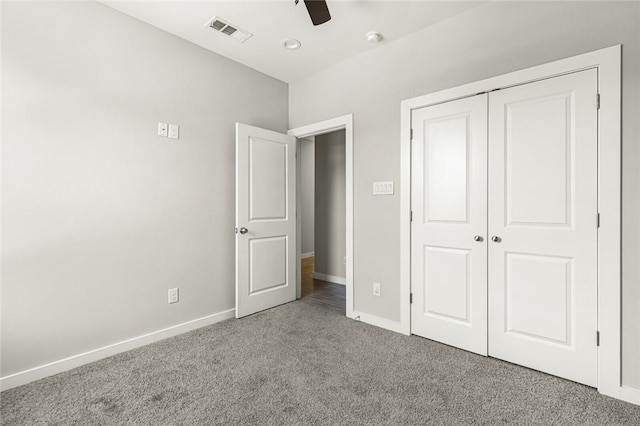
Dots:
pixel 173 295
pixel 383 188
pixel 174 131
pixel 376 289
pixel 163 128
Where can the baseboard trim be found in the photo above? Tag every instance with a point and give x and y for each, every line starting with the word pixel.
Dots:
pixel 46 370
pixel 631 395
pixel 305 255
pixel 331 278
pixel 379 322
pixel 624 393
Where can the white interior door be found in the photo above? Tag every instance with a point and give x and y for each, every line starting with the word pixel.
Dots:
pixel 448 231
pixel 543 214
pixel 265 219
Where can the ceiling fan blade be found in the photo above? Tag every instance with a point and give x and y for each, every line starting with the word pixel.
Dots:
pixel 318 11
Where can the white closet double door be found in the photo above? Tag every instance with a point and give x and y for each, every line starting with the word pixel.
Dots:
pixel 504 231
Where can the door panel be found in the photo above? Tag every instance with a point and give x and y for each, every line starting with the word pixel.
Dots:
pixel 446 170
pixel 446 293
pixel 536 134
pixel 265 207
pixel 449 205
pixel 543 209
pixel 268 264
pixel 537 284
pixel 268 175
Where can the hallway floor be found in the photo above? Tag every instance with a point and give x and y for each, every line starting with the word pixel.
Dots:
pixel 321 293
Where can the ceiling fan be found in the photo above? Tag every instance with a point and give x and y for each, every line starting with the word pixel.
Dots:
pixel 318 11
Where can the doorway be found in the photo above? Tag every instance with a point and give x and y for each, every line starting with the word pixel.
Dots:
pixel 268 224
pixel 332 268
pixel 323 220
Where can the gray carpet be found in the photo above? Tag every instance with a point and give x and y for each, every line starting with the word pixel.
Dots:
pixel 301 364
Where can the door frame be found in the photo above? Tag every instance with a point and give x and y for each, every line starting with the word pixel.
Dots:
pixel 339 123
pixel 608 63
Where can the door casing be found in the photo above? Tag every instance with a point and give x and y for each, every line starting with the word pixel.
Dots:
pixel 608 63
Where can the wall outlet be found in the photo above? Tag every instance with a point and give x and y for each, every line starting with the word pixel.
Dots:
pixel 163 129
pixel 174 131
pixel 376 289
pixel 173 295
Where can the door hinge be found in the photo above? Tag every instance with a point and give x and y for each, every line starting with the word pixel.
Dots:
pixel 597 338
pixel 410 298
pixel 410 134
pixel 411 216
pixel 598 101
pixel 598 220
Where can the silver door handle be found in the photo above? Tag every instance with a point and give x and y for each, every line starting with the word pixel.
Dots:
pixel 496 239
pixel 243 230
pixel 478 238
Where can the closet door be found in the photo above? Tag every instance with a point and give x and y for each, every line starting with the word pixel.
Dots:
pixel 448 232
pixel 543 225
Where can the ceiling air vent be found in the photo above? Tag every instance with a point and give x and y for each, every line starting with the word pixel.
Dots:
pixel 229 30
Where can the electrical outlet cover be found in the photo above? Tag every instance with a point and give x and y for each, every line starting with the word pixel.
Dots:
pixel 163 129
pixel 173 295
pixel 376 289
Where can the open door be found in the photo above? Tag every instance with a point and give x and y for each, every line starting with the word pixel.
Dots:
pixel 265 219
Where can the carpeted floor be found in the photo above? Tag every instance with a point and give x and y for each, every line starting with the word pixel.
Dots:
pixel 301 364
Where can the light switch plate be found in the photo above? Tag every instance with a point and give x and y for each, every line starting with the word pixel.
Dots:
pixel 383 188
pixel 163 128
pixel 174 131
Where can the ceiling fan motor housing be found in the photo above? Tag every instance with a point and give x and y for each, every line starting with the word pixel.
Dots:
pixel 318 11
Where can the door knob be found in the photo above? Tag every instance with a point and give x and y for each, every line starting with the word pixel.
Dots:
pixel 478 238
pixel 496 239
pixel 243 230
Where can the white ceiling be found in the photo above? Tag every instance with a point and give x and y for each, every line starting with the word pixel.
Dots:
pixel 273 21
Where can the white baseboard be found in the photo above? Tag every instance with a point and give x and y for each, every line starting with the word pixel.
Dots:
pixel 379 322
pixel 630 395
pixel 42 371
pixel 624 393
pixel 305 255
pixel 330 278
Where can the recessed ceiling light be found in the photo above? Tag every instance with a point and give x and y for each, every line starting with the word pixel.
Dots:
pixel 373 36
pixel 291 44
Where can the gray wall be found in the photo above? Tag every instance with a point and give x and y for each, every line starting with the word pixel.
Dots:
pixel 330 225
pixel 100 216
pixel 307 193
pixel 492 39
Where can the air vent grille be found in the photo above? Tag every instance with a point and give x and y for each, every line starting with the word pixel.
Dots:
pixel 229 30
pixel 232 31
pixel 217 25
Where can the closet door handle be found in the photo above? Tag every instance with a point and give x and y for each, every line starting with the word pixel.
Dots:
pixel 243 230
pixel 496 239
pixel 478 238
